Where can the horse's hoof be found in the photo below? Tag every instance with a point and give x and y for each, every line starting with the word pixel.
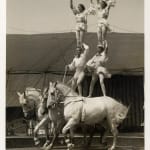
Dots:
pixel 111 148
pixel 49 147
pixel 37 142
pixel 46 144
pixel 70 146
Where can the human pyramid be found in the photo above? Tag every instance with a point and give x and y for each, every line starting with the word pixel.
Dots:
pixel 96 65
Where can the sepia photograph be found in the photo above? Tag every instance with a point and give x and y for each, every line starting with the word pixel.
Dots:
pixel 75 75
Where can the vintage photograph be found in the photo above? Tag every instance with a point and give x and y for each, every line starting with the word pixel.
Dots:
pixel 75 75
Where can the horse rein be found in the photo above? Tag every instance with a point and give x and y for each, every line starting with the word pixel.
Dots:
pixel 65 75
pixel 65 95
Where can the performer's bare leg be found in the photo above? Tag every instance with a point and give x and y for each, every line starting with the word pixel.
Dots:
pixel 101 79
pixel 79 81
pixel 99 36
pixel 82 33
pixel 78 38
pixel 103 32
pixel 92 84
pixel 73 85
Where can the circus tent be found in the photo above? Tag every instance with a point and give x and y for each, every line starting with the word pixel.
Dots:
pixel 34 60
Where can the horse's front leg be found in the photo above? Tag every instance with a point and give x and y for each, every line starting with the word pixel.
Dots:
pixel 114 131
pixel 56 131
pixel 47 136
pixel 69 126
pixel 55 135
pixel 41 123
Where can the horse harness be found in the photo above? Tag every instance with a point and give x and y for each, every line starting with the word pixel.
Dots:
pixel 80 99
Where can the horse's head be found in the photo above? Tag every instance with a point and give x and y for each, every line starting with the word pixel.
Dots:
pixel 27 104
pixel 58 93
pixel 53 95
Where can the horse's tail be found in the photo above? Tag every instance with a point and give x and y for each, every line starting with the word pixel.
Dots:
pixel 121 112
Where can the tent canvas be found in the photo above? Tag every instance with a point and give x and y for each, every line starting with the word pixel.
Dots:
pixel 34 60
pixel 29 57
pixel 51 52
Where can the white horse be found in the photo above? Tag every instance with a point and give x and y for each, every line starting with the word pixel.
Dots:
pixel 33 104
pixel 55 114
pixel 99 110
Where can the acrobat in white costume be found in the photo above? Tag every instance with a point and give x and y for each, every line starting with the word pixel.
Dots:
pixel 81 14
pixel 78 65
pixel 96 65
pixel 102 9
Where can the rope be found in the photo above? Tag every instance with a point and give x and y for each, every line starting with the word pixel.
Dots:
pixel 64 75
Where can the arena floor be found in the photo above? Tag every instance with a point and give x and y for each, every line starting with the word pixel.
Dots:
pixel 126 141
pixel 81 148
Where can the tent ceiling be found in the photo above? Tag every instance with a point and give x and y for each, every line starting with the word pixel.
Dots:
pixel 51 52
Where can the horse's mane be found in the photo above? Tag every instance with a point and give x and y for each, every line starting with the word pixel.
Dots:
pixel 67 86
pixel 33 93
pixel 32 89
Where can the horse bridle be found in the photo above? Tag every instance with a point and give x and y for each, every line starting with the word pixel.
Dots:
pixel 65 95
pixel 54 102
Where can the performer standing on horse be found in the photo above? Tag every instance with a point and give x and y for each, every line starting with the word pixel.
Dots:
pixel 81 21
pixel 96 66
pixel 102 9
pixel 79 64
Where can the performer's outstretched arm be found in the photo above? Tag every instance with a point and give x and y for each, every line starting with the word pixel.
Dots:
pixel 110 4
pixel 91 10
pixel 86 49
pixel 73 8
pixel 85 46
pixel 71 4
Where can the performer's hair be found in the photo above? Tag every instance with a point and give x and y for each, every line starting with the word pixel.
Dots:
pixel 104 4
pixel 82 6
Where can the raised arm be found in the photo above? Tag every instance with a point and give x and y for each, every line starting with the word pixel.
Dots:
pixel 91 10
pixel 86 49
pixel 73 8
pixel 71 4
pixel 110 3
